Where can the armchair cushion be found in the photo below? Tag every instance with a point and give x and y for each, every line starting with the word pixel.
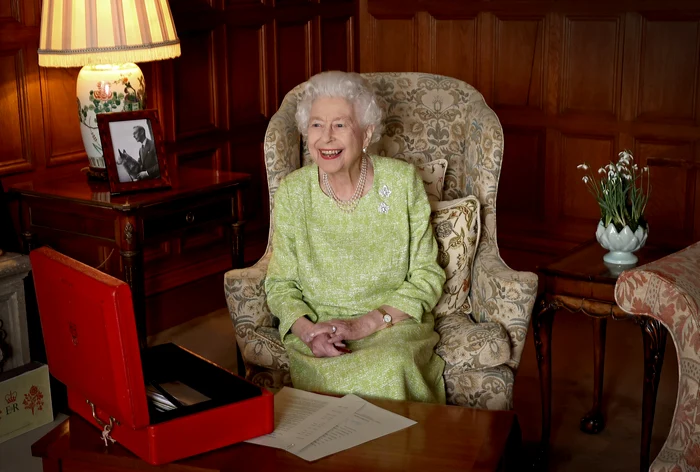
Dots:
pixel 433 175
pixel 457 226
pixel 467 346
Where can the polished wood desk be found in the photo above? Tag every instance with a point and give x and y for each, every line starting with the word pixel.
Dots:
pixel 582 282
pixel 445 438
pixel 154 240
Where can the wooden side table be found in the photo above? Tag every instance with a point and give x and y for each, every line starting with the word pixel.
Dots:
pixel 582 282
pixel 154 240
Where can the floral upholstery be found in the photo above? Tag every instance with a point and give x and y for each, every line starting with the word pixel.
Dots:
pixel 433 175
pixel 465 345
pixel 457 228
pixel 427 117
pixel 669 291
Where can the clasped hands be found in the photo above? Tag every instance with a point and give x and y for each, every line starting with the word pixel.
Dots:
pixel 326 339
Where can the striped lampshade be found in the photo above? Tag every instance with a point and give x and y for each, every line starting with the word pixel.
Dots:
pixel 82 32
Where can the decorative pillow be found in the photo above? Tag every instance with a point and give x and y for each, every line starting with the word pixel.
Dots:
pixel 465 345
pixel 433 175
pixel 457 226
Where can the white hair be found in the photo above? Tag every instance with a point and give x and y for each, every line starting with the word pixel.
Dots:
pixel 348 85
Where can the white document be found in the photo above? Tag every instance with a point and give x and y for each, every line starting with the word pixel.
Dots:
pixel 313 426
pixel 302 417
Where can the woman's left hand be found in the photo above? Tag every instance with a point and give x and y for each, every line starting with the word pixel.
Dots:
pixel 344 330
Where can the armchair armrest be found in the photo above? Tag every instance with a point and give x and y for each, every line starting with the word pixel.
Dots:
pixel 502 294
pixel 256 328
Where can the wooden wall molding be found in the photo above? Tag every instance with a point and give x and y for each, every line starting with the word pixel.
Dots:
pixel 668 82
pixel 239 59
pixel 592 66
pixel 571 82
pixel 20 103
pixel 63 141
pixel 247 55
pixel 518 76
pixel 14 112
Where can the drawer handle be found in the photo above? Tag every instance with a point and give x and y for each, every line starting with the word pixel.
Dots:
pixel 189 217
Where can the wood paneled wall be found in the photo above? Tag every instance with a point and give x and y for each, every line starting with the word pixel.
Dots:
pixel 239 58
pixel 571 81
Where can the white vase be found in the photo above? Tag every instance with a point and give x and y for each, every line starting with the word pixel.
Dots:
pixel 104 89
pixel 621 245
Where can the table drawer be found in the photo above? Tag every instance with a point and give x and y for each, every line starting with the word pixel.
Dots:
pixel 167 223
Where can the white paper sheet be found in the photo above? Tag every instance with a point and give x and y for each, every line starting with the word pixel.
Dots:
pixel 313 426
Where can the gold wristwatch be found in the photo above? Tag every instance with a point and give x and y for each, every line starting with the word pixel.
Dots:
pixel 386 317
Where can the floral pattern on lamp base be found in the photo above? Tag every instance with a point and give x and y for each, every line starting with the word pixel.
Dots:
pixel 106 89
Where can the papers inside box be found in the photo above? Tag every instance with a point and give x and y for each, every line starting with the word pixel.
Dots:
pixel 188 383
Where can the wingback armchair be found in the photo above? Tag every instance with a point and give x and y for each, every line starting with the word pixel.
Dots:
pixel 427 117
pixel 668 290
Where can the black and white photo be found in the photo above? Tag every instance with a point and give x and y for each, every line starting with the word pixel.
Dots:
pixel 133 150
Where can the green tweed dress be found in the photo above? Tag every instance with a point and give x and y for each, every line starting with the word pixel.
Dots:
pixel 327 264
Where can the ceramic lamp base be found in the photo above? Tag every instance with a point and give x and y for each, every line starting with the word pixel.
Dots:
pixel 620 258
pixel 106 88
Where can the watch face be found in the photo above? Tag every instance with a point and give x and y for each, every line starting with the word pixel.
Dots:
pixel 387 318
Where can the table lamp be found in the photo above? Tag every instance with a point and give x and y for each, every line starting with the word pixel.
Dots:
pixel 106 37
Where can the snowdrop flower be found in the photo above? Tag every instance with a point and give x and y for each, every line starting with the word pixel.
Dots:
pixel 625 156
pixel 585 179
pixel 601 171
pixel 582 166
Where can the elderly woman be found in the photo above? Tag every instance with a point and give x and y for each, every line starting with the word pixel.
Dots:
pixel 353 276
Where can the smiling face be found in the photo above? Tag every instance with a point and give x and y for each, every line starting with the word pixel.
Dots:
pixel 335 139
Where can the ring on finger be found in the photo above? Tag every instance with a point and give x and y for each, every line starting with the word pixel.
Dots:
pixel 333 329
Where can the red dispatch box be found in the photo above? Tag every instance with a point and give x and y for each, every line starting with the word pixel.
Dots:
pixel 91 344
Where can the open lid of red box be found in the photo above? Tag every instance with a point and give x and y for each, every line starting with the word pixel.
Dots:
pixel 90 335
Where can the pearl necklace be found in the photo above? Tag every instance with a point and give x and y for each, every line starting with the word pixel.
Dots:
pixel 348 206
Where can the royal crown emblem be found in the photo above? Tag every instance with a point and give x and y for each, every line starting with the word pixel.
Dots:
pixel 11 397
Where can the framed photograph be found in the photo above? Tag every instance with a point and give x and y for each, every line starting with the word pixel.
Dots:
pixel 132 145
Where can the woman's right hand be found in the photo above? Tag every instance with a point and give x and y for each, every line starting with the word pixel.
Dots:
pixel 318 344
pixel 321 347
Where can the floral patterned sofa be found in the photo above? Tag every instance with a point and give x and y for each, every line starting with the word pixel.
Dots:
pixel 427 117
pixel 669 291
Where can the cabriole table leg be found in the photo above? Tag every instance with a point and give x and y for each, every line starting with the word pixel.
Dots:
pixel 593 422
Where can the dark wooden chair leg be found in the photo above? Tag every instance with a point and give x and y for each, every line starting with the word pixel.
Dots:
pixel 593 422
pixel 654 336
pixel 542 321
